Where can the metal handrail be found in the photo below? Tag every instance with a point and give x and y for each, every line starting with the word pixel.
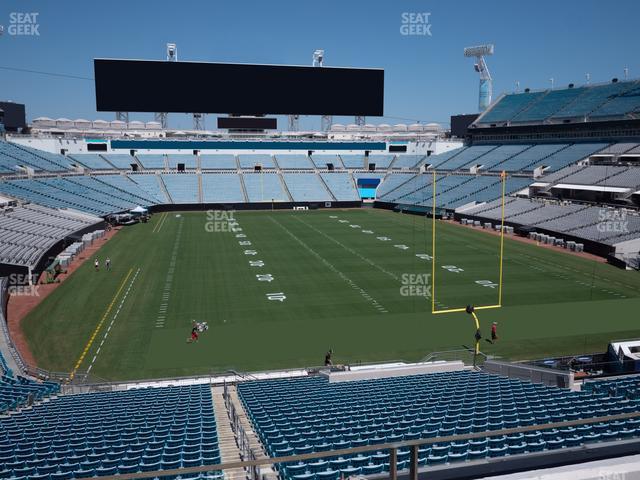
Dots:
pixel 392 447
pixel 242 439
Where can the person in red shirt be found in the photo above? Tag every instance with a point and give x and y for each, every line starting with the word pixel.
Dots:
pixel 194 335
pixel 494 332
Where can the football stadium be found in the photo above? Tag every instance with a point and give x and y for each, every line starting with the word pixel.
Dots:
pixel 268 260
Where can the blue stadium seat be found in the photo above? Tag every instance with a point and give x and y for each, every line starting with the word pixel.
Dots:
pixel 437 459
pixel 328 475
pixel 372 469
pixel 305 476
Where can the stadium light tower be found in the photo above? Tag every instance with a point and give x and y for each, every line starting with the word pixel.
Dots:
pixel 122 116
pixel 198 121
pixel 172 56
pixel 486 82
pixel 318 61
pixel 318 58
pixel 294 122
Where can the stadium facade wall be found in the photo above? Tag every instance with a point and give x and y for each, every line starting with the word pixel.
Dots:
pixel 79 145
pixel 14 271
pixel 247 145
pixel 191 207
pixel 4 297
pixel 618 131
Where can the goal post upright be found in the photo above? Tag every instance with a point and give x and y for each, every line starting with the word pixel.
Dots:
pixel 503 177
pixel 504 188
pixel 433 246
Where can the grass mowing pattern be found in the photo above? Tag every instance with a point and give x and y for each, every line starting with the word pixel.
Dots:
pixel 342 288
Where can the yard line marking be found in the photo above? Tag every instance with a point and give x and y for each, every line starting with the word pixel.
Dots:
pixel 155 227
pixel 95 332
pixel 166 294
pixel 350 250
pixel 359 255
pixel 115 316
pixel 160 223
pixel 353 285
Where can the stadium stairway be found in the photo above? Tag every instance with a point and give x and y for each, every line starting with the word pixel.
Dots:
pixel 326 187
pixel 137 162
pixel 266 471
pixel 243 186
pixel 164 188
pixel 226 438
pixel 284 185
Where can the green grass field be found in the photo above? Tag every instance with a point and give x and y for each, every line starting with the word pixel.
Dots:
pixel 343 289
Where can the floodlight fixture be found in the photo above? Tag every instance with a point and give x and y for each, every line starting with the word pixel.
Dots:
pixel 479 51
pixel 486 82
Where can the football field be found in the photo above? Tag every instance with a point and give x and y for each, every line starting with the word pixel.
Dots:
pixel 278 289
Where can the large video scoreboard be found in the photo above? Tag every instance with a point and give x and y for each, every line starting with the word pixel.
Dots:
pixel 242 89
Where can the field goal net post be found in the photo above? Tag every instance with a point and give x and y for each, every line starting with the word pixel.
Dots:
pixel 438 211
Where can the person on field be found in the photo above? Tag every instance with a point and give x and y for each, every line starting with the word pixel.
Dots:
pixel 327 358
pixel 494 332
pixel 194 335
pixel 107 263
pixel 97 264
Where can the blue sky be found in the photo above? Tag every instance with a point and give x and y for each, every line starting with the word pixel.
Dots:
pixel 426 77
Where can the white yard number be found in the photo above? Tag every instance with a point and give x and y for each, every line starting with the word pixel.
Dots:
pixel 487 283
pixel 250 252
pixel 355 226
pixel 245 243
pixel 367 231
pixel 256 263
pixel 383 239
pixel 343 221
pixel 265 278
pixel 402 247
pixel 424 256
pixel 453 268
pixel 241 235
pixel 280 296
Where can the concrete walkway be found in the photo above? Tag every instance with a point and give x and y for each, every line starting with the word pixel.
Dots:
pixel 229 451
pixel 266 471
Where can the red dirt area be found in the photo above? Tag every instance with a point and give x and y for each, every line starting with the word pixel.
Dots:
pixel 518 238
pixel 20 305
